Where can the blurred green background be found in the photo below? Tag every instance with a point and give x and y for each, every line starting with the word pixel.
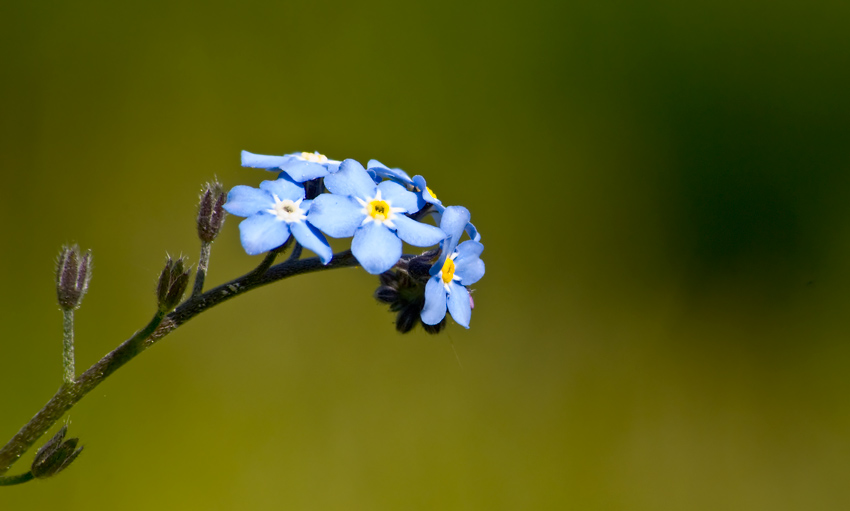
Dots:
pixel 662 191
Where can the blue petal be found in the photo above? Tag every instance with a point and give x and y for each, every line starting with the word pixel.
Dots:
pixel 376 248
pixel 469 270
pixel 301 170
pixel 262 161
pixel 473 232
pixel 467 250
pixel 335 215
pixel 454 219
pixel 375 177
pixel 351 179
pixel 420 183
pixel 284 187
pixel 417 233
pixel 459 305
pixel 262 232
pixel 246 201
pixel 312 239
pixel 382 170
pixel 468 265
pixel 435 302
pixel 398 197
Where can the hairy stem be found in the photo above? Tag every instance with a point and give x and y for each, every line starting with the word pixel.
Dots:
pixel 161 325
pixel 68 346
pixel 203 265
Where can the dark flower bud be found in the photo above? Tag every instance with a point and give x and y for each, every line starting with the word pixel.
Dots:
pixel 210 211
pixel 386 294
pixel 406 319
pixel 403 289
pixel 55 455
pixel 73 272
pixel 420 266
pixel 172 284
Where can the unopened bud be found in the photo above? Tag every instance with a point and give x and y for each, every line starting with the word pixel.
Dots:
pixel 172 284
pixel 55 455
pixel 420 266
pixel 211 211
pixel 73 272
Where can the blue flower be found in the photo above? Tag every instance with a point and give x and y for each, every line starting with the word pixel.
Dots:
pixel 299 166
pixel 373 214
pixel 274 211
pixel 458 266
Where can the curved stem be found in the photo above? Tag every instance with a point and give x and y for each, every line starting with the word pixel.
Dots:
pixel 161 325
pixel 18 479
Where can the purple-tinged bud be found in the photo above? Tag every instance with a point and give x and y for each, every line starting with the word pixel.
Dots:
pixel 172 284
pixel 211 211
pixel 73 272
pixel 55 455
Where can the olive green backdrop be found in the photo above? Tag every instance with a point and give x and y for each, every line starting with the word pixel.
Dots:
pixel 662 191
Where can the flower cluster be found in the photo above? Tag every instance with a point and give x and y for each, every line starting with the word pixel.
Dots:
pixel 378 208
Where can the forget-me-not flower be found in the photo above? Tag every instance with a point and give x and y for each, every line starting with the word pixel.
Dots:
pixel 458 266
pixel 374 214
pixel 274 211
pixel 299 166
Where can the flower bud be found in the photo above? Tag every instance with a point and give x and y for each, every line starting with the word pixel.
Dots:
pixel 211 211
pixel 73 272
pixel 420 266
pixel 403 289
pixel 55 455
pixel 172 284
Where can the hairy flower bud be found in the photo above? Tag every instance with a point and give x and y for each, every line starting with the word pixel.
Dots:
pixel 73 272
pixel 403 289
pixel 211 211
pixel 172 284
pixel 55 455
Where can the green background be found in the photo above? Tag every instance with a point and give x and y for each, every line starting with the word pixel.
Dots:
pixel 662 191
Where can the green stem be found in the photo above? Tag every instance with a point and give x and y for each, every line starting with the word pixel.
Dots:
pixel 68 345
pixel 161 325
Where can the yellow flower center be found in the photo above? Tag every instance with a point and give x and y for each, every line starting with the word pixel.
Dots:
pixel 431 192
pixel 379 209
pixel 448 273
pixel 315 157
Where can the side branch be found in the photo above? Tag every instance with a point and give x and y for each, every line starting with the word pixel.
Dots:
pixel 161 325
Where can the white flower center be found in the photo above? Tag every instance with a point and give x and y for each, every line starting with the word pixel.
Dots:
pixel 287 210
pixel 378 210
